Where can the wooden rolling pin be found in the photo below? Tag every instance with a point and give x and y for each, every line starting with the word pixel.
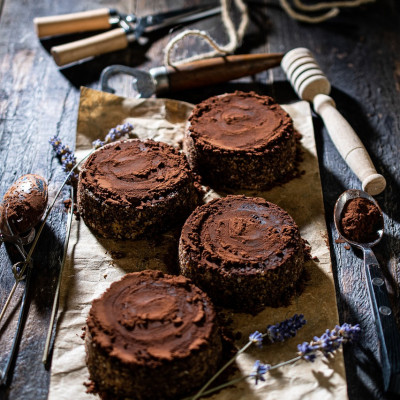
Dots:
pixel 312 85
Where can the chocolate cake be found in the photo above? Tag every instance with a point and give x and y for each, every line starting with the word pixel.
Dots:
pixel 151 336
pixel 246 253
pixel 241 140
pixel 132 188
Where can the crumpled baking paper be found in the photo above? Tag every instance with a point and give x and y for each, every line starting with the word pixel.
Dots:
pixel 93 263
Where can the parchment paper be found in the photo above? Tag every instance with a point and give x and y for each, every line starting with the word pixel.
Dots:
pixel 93 263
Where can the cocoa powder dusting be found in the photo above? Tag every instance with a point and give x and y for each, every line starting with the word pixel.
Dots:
pixel 361 220
pixel 240 121
pixel 126 319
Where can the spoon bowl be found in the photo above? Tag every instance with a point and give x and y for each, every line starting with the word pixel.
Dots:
pixel 386 327
pixel 343 199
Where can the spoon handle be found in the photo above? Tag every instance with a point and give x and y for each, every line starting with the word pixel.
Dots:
pixel 387 330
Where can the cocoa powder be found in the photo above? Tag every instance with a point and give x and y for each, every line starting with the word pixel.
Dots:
pixel 361 220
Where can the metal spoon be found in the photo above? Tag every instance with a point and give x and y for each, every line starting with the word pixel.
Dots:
pixel 387 331
pixel 26 200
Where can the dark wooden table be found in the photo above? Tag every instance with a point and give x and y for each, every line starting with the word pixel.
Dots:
pixel 359 52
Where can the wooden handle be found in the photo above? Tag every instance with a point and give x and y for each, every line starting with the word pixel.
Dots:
pixel 69 23
pixel 349 145
pixel 219 69
pixel 99 44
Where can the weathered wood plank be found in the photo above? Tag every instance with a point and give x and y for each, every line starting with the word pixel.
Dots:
pixel 359 52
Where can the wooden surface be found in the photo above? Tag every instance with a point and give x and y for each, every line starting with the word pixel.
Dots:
pixel 358 51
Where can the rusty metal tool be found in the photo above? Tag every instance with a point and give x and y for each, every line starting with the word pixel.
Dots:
pixel 192 75
pixel 123 29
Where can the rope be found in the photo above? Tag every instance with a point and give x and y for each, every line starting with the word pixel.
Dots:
pixel 235 36
pixel 333 6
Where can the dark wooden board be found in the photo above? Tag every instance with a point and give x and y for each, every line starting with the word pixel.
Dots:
pixel 359 52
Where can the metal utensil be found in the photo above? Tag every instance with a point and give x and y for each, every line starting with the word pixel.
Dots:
pixel 22 207
pixel 311 84
pixel 21 271
pixel 191 75
pixel 124 29
pixel 387 330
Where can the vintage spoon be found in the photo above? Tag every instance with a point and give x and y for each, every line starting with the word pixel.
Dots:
pixel 21 209
pixel 387 331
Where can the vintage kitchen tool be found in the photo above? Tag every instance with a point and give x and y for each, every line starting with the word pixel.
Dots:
pixel 312 85
pixel 192 75
pixel 126 29
pixel 21 209
pixel 387 331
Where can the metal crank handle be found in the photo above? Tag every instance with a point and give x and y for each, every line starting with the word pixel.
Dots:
pixel 107 42
pixel 349 145
pixel 387 330
pixel 85 21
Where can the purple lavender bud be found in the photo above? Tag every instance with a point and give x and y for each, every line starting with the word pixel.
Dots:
pixel 306 351
pixel 259 370
pixel 285 329
pixel 97 143
pixel 256 338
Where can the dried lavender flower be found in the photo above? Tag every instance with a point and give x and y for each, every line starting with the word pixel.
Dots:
pixel 114 134
pixel 259 370
pixel 329 342
pixel 68 160
pixel 285 329
pixel 256 338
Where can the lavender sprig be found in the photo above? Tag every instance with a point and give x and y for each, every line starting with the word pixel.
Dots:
pixel 113 135
pixel 66 155
pixel 327 344
pixel 283 330
pixel 68 160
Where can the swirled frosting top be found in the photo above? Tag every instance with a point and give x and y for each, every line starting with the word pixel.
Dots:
pixel 134 171
pixel 148 317
pixel 241 232
pixel 239 121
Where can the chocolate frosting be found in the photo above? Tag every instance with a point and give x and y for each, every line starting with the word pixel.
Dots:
pixel 134 171
pixel 24 204
pixel 239 231
pixel 239 121
pixel 361 220
pixel 148 317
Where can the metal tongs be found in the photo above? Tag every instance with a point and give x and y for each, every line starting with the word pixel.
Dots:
pixel 124 29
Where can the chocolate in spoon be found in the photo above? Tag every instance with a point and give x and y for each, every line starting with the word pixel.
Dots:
pixel 359 221
pixel 21 210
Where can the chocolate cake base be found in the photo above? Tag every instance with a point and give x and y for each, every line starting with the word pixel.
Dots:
pixel 246 253
pixel 133 188
pixel 151 336
pixel 241 140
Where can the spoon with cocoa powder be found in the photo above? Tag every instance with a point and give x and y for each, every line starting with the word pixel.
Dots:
pixel 359 221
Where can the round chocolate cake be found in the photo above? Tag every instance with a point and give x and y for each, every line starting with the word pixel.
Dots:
pixel 241 140
pixel 151 336
pixel 245 252
pixel 130 188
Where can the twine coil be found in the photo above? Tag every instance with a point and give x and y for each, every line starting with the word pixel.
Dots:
pixel 236 35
